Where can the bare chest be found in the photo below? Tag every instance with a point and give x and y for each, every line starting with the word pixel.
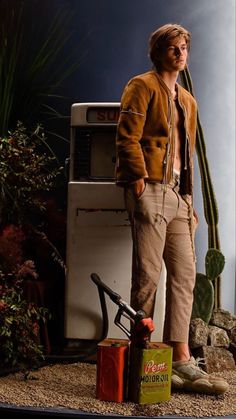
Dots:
pixel 178 128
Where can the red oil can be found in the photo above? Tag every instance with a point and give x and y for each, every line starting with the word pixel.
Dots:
pixel 112 367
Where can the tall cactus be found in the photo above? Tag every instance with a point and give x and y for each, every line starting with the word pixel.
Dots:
pixel 209 200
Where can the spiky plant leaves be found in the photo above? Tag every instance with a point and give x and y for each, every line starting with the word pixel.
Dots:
pixel 31 70
pixel 214 262
pixel 203 302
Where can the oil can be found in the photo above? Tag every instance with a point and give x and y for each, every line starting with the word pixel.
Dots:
pixel 150 373
pixel 112 367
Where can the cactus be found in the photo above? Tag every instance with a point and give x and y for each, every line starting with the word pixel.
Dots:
pixel 209 200
pixel 203 302
pixel 214 263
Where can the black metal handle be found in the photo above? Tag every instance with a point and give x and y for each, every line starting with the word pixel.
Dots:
pixel 113 295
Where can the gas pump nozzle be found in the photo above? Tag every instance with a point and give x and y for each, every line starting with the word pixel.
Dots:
pixel 142 326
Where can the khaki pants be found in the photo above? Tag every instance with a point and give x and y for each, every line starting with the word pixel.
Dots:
pixel 163 232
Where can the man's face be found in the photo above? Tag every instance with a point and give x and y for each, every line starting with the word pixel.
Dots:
pixel 175 55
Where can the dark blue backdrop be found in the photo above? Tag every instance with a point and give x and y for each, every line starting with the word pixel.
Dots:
pixel 116 37
pixel 110 39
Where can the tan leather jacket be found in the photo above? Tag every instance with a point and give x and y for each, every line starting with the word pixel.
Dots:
pixel 144 140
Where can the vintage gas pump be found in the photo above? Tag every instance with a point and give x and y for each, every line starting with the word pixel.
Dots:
pixel 98 231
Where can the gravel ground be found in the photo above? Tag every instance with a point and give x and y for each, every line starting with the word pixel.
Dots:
pixel 73 386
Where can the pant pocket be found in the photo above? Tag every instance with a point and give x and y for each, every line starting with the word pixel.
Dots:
pixel 141 195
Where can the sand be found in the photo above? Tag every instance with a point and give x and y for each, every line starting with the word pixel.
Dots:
pixel 74 386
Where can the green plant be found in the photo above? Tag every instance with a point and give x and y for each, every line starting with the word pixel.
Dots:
pixel 31 75
pixel 203 302
pixel 26 172
pixel 19 322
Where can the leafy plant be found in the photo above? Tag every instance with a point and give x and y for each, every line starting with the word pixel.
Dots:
pixel 31 73
pixel 19 322
pixel 20 318
pixel 26 172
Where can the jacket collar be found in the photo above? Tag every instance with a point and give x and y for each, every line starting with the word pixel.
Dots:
pixel 165 87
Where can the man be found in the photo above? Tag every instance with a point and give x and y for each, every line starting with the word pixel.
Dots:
pixel 155 143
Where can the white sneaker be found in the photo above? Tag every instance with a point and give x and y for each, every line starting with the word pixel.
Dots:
pixel 187 375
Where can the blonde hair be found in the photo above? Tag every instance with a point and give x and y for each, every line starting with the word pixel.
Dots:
pixel 161 38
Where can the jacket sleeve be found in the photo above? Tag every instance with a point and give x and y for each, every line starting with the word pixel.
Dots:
pixel 130 164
